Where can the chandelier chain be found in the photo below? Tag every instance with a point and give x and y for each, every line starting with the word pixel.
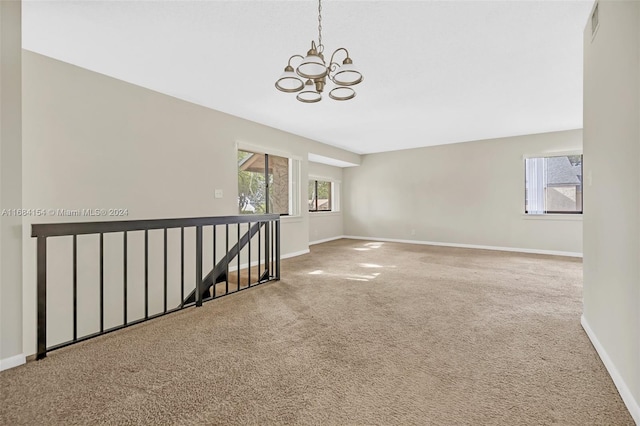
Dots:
pixel 320 23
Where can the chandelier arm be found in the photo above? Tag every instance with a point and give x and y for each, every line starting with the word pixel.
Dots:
pixel 336 51
pixel 294 56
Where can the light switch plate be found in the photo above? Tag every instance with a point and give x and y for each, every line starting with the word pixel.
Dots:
pixel 218 193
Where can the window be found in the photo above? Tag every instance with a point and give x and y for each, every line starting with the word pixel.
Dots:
pixel 320 196
pixel 553 185
pixel 265 184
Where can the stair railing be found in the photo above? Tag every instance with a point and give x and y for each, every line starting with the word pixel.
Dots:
pixel 263 230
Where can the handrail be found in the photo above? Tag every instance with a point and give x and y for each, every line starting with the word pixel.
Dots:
pixel 81 228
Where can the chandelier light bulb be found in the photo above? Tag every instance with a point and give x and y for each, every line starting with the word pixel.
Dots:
pixel 289 82
pixel 347 75
pixel 312 65
pixel 309 95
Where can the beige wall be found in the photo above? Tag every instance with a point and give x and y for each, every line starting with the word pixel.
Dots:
pixel 10 185
pixel 612 194
pixel 91 141
pixel 326 225
pixel 467 193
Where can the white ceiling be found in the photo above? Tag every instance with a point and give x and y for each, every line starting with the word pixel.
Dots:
pixel 435 72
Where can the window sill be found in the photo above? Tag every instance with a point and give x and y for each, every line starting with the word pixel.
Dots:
pixel 553 216
pixel 324 213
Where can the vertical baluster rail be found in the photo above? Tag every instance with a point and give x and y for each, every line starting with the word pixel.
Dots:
pixel 146 273
pixel 272 270
pixel 42 297
pixel 249 255
pixel 199 266
pixel 259 251
pixel 239 251
pixel 277 223
pixel 182 266
pixel 75 287
pixel 101 282
pixel 214 257
pixel 165 267
pixel 267 264
pixel 226 273
pixel 125 277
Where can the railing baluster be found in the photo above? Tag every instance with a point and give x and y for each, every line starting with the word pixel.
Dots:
pixel 267 258
pixel 125 278
pixel 165 270
pixel 259 249
pixel 198 265
pixel 101 282
pixel 249 256
pixel 214 257
pixel 271 270
pixel 75 287
pixel 42 297
pixel 182 266
pixel 278 249
pixel 146 273
pixel 226 291
pixel 239 250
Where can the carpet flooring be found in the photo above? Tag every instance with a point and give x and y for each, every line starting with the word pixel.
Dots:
pixel 355 333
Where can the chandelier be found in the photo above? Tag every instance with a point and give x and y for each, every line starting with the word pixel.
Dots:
pixel 314 69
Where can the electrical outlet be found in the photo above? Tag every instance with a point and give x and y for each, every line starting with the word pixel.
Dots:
pixel 218 193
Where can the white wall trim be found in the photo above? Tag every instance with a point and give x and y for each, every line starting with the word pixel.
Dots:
pixel 234 267
pixel 326 240
pixel 12 362
pixel 322 213
pixel 295 253
pixel 551 153
pixel 472 246
pixel 627 397
pixel 323 178
pixel 263 149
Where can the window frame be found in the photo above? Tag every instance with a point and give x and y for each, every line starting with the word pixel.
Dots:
pixel 332 192
pixel 553 213
pixel 294 177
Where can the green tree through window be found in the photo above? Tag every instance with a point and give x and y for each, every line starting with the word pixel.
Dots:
pixel 255 184
pixel 320 196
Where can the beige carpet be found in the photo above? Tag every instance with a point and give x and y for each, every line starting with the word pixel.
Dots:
pixel 355 333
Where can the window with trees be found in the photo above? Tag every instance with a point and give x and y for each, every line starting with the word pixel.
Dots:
pixel 553 185
pixel 264 184
pixel 320 196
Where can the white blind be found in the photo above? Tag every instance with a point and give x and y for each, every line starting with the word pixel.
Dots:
pixel 536 182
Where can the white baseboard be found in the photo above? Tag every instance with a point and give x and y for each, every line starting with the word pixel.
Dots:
pixel 11 362
pixel 233 266
pixel 326 240
pixel 294 254
pixel 627 397
pixel 471 246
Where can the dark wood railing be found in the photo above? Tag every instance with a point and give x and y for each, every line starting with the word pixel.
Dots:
pixel 263 228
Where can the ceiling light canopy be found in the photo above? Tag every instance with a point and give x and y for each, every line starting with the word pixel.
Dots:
pixel 310 77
